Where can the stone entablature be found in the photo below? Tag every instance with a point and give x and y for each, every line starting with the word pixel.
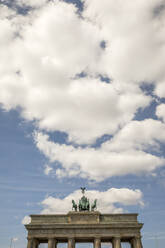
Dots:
pixel 75 217
pixel 84 227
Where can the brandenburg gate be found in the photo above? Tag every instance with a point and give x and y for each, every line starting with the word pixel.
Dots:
pixel 84 225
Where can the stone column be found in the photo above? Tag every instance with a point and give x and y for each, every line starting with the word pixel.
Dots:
pixel 35 243
pixel 71 243
pixel 30 243
pixel 131 243
pixel 116 242
pixel 55 243
pixel 136 242
pixel 51 243
pixel 97 243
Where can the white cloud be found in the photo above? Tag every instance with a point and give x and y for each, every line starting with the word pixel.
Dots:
pixel 40 69
pixel 139 135
pixel 26 220
pixel 115 158
pixel 106 200
pixel 160 89
pixel 47 169
pixel 134 32
pixel 6 13
pixel 42 55
pixel 160 111
pixel 15 239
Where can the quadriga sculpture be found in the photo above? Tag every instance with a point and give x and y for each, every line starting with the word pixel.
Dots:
pixel 84 204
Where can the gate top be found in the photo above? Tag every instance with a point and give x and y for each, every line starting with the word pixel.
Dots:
pixel 83 225
pixel 82 217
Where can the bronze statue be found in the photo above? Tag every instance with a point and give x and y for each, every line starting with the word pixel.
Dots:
pixel 83 190
pixel 74 205
pixel 94 205
pixel 84 204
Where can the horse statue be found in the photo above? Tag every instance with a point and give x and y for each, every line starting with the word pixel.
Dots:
pixel 87 205
pixel 84 204
pixel 94 205
pixel 74 205
pixel 79 206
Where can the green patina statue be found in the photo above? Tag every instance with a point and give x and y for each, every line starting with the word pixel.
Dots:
pixel 74 205
pixel 84 204
pixel 94 205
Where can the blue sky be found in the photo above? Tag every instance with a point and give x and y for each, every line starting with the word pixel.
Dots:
pixel 82 103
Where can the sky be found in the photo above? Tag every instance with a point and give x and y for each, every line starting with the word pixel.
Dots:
pixel 82 103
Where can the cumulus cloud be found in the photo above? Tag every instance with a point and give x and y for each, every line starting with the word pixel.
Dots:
pixel 47 169
pixel 125 154
pixel 160 89
pixel 140 135
pixel 26 220
pixel 106 200
pixel 134 35
pixel 52 63
pixel 43 64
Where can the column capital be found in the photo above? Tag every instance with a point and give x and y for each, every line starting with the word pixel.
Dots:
pixel 116 241
pixel 51 242
pixel 97 242
pixel 97 238
pixel 71 242
pixel 36 242
pixel 29 238
pixel 138 236
pixel 136 241
pixel 117 237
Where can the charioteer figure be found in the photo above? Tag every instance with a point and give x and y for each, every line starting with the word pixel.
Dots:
pixel 84 204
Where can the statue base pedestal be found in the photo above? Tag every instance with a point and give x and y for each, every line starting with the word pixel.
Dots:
pixel 84 217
